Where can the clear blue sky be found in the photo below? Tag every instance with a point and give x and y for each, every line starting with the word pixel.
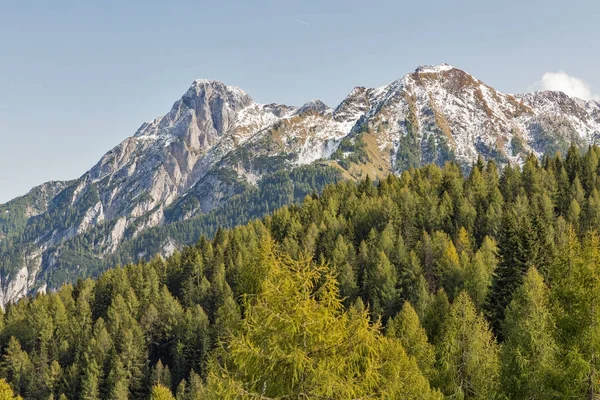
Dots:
pixel 77 77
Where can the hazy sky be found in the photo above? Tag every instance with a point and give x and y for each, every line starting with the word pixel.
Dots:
pixel 77 77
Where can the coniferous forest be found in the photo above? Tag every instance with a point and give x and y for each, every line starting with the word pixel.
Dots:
pixel 432 284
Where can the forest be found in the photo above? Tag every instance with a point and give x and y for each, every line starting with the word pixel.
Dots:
pixel 428 285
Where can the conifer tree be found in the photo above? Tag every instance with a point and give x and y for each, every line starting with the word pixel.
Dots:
pixel 468 354
pixel 181 393
pixel 518 248
pixel 576 278
pixel 591 211
pixel 342 258
pixel 161 375
pixel 413 285
pixel 529 353
pixel 573 162
pixel 406 327
pixel 479 272
pixel 380 284
pixel 160 392
pixel 6 392
pixel 16 366
pixel 118 380
pixel 435 316
pixel 573 214
pixel 90 386
pixel 449 266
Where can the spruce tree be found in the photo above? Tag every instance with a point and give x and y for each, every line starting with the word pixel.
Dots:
pixel 518 248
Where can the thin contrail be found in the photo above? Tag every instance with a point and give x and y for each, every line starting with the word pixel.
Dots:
pixel 300 21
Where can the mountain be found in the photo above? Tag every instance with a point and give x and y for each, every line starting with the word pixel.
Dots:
pixel 219 158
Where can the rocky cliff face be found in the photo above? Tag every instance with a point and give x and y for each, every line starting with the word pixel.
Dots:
pixel 216 142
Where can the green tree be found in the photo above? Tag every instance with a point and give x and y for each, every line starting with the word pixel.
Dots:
pixel 160 392
pixel 479 272
pixel 90 385
pixel 518 248
pixel 161 375
pixel 529 353
pixel 380 284
pixel 406 327
pixel 342 258
pixel 6 392
pixel 435 316
pixel 576 292
pixel 16 366
pixel 468 354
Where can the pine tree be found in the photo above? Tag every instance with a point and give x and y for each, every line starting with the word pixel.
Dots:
pixel 449 267
pixel 576 291
pixel 591 211
pixel 181 393
pixel 435 316
pixel 573 162
pixel 573 214
pixel 118 380
pixel 161 375
pixel 414 286
pixel 90 385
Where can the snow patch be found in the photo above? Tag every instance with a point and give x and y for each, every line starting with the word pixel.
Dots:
pixel 434 68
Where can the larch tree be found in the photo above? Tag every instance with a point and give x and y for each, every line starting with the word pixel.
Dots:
pixel 160 392
pixel 6 392
pixel 468 362
pixel 576 292
pixel 406 327
pixel 529 353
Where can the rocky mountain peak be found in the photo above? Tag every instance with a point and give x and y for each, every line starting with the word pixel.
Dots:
pixel 314 105
pixel 215 96
pixel 357 103
pixel 444 75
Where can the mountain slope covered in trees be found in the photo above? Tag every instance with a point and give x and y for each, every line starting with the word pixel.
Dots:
pixel 426 285
pixel 217 150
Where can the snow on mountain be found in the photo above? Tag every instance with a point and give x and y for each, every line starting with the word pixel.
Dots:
pixel 434 114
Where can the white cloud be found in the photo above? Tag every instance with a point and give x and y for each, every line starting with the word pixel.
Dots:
pixel 570 85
